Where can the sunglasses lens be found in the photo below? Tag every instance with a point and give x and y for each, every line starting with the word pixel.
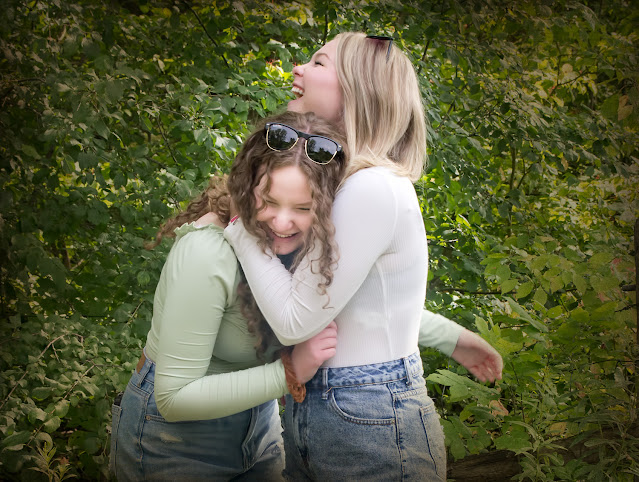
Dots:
pixel 320 149
pixel 281 137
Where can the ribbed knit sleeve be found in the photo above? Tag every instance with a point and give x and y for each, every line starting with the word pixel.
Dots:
pixel 437 331
pixel 379 284
pixel 196 288
pixel 364 215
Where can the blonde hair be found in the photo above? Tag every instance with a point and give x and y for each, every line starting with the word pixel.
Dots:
pixel 383 112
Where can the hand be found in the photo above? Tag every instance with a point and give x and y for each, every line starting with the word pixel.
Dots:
pixel 308 356
pixel 478 356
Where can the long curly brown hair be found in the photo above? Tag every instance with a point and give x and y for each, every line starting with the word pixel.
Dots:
pixel 215 198
pixel 254 161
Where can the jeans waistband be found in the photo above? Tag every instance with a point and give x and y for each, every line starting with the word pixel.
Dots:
pixel 403 368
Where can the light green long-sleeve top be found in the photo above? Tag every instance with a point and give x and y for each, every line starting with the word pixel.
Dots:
pixel 206 365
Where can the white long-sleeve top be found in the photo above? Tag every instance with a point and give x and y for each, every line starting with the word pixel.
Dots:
pixel 379 285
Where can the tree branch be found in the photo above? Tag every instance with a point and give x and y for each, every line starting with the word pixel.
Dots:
pixel 419 71
pixel 205 31
pixel 168 144
pixel 513 159
pixel 26 370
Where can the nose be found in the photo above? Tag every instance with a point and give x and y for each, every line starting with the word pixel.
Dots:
pixel 298 70
pixel 282 221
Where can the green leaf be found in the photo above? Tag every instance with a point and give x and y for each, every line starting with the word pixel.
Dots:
pixel 101 129
pixel 200 135
pixel 41 393
pixel 15 441
pixel 580 283
pixel 30 151
pixel 502 273
pixel 516 307
pixel 482 326
pixel 600 259
pixel 555 311
pixel 604 284
pixel 508 285
pixel 144 278
pixel 92 444
pixel 114 90
pixel 453 440
pixel 556 284
pixel 524 289
pixel 580 315
pixel 52 424
pixel 460 387
pixel 516 441
pixel 62 408
pixel 540 296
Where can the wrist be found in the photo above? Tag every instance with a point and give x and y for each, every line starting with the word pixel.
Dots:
pixel 295 388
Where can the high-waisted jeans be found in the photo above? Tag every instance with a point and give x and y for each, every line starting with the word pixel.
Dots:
pixel 370 422
pixel 144 446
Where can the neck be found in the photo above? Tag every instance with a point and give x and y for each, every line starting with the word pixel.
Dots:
pixel 287 259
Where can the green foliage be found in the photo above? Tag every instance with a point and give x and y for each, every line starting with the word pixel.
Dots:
pixel 114 115
pixel 59 399
pixel 45 464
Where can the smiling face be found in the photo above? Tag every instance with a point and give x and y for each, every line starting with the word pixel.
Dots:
pixel 286 214
pixel 316 86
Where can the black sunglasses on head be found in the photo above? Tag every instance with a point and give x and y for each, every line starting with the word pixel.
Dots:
pixel 319 149
pixel 383 38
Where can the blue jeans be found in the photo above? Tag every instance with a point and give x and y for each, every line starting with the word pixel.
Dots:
pixel 369 422
pixel 144 446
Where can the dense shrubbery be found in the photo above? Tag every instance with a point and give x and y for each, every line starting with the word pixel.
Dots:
pixel 114 115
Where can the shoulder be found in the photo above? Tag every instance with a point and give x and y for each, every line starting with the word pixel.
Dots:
pixel 200 237
pixel 202 249
pixel 375 176
pixel 372 184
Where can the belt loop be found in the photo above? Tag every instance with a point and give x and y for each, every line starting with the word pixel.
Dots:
pixel 144 371
pixel 409 375
pixel 325 387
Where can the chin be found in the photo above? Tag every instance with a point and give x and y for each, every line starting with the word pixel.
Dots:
pixel 295 106
pixel 284 250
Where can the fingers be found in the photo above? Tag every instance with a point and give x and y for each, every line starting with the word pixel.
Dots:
pixel 486 371
pixel 326 354
pixel 479 373
pixel 330 330
pixel 490 369
pixel 322 346
pixel 328 334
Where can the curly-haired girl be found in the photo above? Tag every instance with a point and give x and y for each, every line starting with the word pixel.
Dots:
pixel 200 365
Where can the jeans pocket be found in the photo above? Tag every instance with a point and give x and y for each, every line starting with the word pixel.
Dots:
pixel 435 438
pixel 364 404
pixel 116 413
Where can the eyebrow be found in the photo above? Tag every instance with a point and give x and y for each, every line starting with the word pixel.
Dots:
pixel 322 54
pixel 268 198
